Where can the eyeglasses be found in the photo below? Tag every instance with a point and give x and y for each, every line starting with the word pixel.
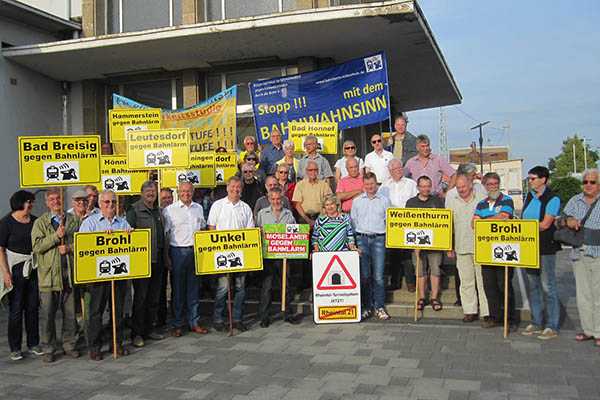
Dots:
pixel 589 182
pixel 350 148
pixel 109 201
pixel 532 178
pixel 80 200
pixel 283 172
pixel 248 172
pixel 312 169
pixel 376 141
pixel 251 159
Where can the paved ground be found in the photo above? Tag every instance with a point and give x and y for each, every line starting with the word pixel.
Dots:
pixel 397 360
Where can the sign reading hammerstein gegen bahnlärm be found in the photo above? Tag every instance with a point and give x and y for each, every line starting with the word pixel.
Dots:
pixel 227 251
pixel 510 242
pixel 59 160
pixel 286 241
pixel 156 149
pixel 419 228
pixel 122 121
pixel 119 255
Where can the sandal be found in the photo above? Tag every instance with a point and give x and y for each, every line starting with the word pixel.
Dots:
pixel 582 337
pixel 436 305
pixel 421 305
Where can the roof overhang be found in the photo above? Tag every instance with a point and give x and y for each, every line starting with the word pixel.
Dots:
pixel 418 74
pixel 34 17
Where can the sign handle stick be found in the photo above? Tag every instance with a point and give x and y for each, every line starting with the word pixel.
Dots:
pixel 114 320
pixel 417 269
pixel 283 285
pixel 506 301
pixel 229 304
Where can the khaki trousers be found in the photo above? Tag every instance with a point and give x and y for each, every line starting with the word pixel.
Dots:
pixel 471 285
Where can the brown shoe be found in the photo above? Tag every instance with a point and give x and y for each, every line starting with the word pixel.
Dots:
pixel 489 323
pixel 470 318
pixel 199 330
pixel 95 356
pixel 411 287
pixel 176 332
pixel 73 353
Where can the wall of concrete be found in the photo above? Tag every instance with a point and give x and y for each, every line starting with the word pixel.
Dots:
pixel 60 8
pixel 30 104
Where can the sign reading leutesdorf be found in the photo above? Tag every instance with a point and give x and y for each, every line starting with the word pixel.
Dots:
pixel 419 228
pixel 510 242
pixel 156 149
pixel 227 251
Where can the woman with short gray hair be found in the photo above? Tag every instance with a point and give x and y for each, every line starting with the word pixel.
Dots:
pixel 583 212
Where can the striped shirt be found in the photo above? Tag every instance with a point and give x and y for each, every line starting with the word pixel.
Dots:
pixel 577 208
pixel 333 233
pixel 503 204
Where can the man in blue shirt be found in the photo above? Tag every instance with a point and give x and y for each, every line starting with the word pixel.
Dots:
pixel 543 205
pixel 105 221
pixel 272 153
pixel 368 217
pixel 496 206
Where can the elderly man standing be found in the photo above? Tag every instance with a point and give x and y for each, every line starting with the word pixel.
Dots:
pixel 403 143
pixel 105 221
pixel 52 241
pixel 310 193
pixel 377 160
pixel 399 189
pixel 263 202
pixel 368 215
pixel 350 186
pixel 310 146
pixel 275 213
pixel 182 219
pixel 252 188
pixel 435 167
pixel 230 213
pixel 145 214
pixel 462 203
pixel 496 206
pixel 271 153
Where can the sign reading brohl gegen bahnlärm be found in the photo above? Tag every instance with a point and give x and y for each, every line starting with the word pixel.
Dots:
pixel 59 160
pixel 507 242
pixel 106 257
pixel 226 251
pixel 419 228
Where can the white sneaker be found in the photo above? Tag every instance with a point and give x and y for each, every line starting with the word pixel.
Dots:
pixel 366 315
pixel 548 334
pixel 36 351
pixel 532 330
pixel 16 356
pixel 382 314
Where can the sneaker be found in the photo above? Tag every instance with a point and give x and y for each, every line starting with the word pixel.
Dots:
pixel 488 323
pixel 366 315
pixel 547 334
pixel 532 330
pixel 138 341
pixel 381 314
pixel 16 356
pixel 48 358
pixel 36 351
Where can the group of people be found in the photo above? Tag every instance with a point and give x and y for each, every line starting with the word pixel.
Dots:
pixel 346 209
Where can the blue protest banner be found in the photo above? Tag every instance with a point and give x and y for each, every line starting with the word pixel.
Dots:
pixel 352 94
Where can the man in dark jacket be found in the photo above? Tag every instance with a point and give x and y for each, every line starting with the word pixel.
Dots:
pixel 402 143
pixel 145 214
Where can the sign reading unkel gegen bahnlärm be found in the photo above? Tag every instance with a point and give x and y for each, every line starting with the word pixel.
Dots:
pixel 227 251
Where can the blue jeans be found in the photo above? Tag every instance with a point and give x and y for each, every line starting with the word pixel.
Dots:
pixel 372 265
pixel 543 282
pixel 186 288
pixel 238 299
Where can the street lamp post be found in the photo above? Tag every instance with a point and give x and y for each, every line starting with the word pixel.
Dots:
pixel 480 126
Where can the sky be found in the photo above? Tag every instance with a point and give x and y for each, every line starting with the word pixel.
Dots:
pixel 532 65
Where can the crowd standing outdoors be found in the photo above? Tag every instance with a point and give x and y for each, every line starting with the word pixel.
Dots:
pixel 346 210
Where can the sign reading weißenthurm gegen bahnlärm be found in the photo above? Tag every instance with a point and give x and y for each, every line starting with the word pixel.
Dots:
pixel 354 93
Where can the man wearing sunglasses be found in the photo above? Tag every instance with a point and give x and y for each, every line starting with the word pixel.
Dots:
pixel 377 160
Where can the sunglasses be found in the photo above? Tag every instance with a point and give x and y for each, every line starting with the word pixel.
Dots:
pixel 248 172
pixel 376 141
pixel 349 148
pixel 589 182
pixel 251 159
pixel 283 172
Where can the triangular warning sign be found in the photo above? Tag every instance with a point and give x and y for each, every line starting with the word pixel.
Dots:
pixel 334 280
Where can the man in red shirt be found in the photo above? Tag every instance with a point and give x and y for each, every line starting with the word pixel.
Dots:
pixel 350 186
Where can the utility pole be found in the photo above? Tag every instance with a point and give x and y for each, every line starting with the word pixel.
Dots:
pixel 480 126
pixel 443 136
pixel 574 160
pixel 584 154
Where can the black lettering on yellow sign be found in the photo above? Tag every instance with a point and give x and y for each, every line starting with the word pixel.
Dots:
pixel 227 241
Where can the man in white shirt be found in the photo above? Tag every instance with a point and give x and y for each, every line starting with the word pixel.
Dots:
pixel 399 189
pixel 230 213
pixel 377 160
pixel 182 219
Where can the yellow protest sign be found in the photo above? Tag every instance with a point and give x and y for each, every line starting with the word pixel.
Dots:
pixel 163 148
pixel 226 166
pixel 116 176
pixel 326 133
pixel 419 228
pixel 200 173
pixel 59 160
pixel 220 252
pixel 116 256
pixel 511 242
pixel 122 121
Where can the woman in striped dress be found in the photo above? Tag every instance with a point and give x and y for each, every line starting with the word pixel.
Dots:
pixel 333 230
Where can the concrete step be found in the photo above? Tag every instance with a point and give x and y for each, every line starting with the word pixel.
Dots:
pixel 402 296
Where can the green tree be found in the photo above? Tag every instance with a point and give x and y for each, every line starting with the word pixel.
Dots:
pixel 562 165
pixel 565 188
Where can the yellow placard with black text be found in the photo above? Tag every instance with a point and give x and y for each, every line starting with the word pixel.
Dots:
pixel 157 149
pixel 419 228
pixel 325 132
pixel 228 251
pixel 200 173
pixel 118 255
pixel 124 120
pixel 59 160
pixel 116 176
pixel 512 242
pixel 226 166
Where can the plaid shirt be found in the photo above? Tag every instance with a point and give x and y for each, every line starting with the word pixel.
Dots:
pixel 577 208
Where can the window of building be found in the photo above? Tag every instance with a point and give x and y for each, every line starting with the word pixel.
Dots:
pixel 138 15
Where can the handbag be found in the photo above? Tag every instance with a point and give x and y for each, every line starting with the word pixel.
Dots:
pixel 571 237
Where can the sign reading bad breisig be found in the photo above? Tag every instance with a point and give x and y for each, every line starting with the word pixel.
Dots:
pixel 419 228
pixel 59 160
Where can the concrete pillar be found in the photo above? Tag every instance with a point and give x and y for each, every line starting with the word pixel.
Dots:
pixel 192 11
pixel 190 88
pixel 88 17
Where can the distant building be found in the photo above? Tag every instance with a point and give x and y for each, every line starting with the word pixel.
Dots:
pixel 462 155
